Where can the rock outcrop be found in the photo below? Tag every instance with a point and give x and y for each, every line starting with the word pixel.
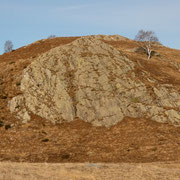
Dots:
pixel 90 80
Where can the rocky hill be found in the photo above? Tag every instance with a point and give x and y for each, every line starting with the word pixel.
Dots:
pixel 82 91
pixel 90 80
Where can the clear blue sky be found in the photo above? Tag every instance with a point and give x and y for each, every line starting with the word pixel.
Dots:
pixel 25 21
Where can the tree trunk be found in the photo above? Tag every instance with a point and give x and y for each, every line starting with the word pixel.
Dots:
pixel 149 53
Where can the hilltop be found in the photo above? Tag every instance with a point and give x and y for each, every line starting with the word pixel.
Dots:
pixel 92 98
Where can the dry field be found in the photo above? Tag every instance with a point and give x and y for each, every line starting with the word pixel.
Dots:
pixel 89 171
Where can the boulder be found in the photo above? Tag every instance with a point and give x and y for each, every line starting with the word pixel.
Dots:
pixel 90 80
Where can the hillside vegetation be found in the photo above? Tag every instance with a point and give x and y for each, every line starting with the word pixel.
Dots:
pixel 89 99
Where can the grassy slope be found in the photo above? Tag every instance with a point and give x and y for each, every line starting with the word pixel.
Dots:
pixel 132 140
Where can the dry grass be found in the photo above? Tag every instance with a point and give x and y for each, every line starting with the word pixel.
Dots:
pixel 131 140
pixel 87 171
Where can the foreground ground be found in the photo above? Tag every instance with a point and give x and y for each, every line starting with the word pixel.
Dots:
pixel 89 171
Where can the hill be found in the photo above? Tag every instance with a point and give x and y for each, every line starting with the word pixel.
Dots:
pixel 94 98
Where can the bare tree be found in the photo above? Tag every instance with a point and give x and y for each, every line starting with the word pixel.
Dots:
pixel 51 36
pixel 146 40
pixel 8 46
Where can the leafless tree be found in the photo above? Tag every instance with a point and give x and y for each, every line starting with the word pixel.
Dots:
pixel 146 40
pixel 51 36
pixel 8 46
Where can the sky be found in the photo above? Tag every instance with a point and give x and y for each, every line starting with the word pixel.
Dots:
pixel 26 21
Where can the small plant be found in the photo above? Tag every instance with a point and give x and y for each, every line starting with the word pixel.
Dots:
pixel 12 62
pixel 7 126
pixel 134 99
pixel 4 96
pixel 18 83
pixel 1 123
pixel 45 140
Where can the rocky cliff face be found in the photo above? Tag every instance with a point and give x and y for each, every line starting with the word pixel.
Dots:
pixel 92 81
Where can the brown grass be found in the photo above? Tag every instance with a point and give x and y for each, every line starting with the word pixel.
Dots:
pixel 88 171
pixel 132 140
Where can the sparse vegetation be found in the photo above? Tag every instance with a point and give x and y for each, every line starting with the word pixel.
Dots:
pixel 134 99
pixel 1 123
pixel 18 83
pixel 12 62
pixel 7 126
pixel 146 40
pixel 45 140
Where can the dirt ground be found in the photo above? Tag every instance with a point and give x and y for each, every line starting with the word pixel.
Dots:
pixel 90 171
